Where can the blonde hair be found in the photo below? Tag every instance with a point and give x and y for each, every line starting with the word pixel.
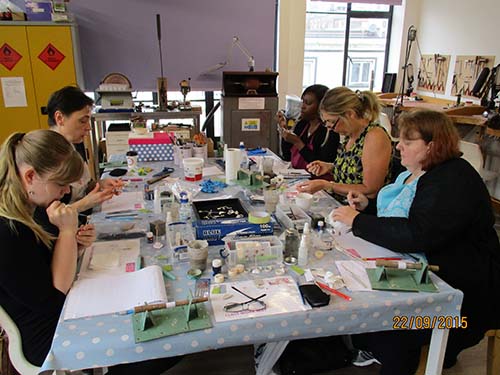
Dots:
pixel 49 154
pixel 339 100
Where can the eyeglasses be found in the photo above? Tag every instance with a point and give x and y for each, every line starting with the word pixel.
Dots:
pixel 253 304
pixel 256 305
pixel 332 123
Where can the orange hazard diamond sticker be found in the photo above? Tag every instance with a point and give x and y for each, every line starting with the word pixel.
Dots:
pixel 51 56
pixel 9 57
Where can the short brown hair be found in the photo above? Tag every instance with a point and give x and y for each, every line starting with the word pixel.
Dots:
pixel 435 127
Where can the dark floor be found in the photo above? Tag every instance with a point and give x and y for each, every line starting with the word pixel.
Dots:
pixel 239 361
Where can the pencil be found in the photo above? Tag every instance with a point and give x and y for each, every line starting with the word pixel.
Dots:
pixel 334 291
pixel 382 258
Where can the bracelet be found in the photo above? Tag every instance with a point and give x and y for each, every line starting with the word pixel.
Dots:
pixel 330 188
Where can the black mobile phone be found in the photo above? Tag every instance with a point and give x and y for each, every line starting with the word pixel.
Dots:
pixel 314 295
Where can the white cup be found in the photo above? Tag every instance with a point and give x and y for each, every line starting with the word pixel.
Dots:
pixel 304 200
pixel 131 159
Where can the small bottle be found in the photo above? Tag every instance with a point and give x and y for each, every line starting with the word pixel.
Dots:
pixel 185 207
pixel 150 237
pixel 244 157
pixel 305 243
pixel 325 238
pixel 291 251
pixel 157 201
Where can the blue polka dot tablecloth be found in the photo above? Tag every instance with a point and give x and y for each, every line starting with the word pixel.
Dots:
pixel 103 341
pixel 107 340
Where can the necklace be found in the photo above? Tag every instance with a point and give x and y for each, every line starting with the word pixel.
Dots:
pixel 309 132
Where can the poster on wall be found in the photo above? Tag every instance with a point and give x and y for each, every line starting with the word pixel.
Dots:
pixel 467 70
pixel 433 73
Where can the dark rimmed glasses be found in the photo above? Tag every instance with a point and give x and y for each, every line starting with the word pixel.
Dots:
pixel 253 304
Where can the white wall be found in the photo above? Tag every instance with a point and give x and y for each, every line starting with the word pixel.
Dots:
pixel 292 28
pixel 456 27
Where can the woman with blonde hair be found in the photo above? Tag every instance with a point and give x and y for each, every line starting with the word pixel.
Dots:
pixel 36 269
pixel 363 157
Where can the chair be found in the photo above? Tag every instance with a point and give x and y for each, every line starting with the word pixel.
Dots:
pixel 472 153
pixel 492 358
pixel 16 354
pixel 386 124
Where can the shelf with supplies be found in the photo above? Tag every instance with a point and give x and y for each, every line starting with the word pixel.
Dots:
pixel 99 127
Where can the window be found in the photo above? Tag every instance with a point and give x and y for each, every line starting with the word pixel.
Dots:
pixel 359 73
pixel 346 44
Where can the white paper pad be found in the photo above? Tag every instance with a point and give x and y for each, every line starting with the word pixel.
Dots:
pixel 107 295
pixel 364 248
pixel 97 263
pixel 283 296
pixel 354 274
pixel 132 200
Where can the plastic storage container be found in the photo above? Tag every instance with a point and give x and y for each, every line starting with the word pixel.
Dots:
pixel 292 216
pixel 179 234
pixel 253 251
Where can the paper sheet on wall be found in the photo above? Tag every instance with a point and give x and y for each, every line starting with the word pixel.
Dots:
pixel 108 295
pixel 132 200
pixel 14 92
pixel 282 296
pixel 110 258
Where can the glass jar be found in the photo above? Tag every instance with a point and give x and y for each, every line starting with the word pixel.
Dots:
pixel 292 242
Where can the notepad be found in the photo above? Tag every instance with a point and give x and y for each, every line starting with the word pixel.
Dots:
pixel 114 294
pixel 132 200
pixel 109 258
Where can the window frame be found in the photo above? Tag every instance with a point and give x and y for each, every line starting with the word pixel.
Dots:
pixel 353 14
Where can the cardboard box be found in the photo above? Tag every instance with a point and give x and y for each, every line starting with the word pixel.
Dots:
pixel 215 230
pixel 39 10
pixel 151 146
pixel 153 152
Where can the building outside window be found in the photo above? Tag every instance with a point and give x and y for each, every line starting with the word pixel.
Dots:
pixel 346 44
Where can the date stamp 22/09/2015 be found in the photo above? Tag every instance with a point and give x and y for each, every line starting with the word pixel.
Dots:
pixel 428 322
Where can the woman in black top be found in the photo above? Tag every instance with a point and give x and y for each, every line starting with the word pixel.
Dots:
pixel 310 139
pixel 36 269
pixel 451 221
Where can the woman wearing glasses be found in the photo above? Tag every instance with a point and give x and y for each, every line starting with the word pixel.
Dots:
pixel 441 207
pixel 363 157
pixel 310 140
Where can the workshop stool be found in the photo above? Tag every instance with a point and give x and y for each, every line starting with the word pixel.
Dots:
pixel 492 358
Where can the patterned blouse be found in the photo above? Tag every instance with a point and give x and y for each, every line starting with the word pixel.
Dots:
pixel 348 168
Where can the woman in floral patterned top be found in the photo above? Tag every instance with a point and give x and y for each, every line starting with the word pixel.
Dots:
pixel 363 158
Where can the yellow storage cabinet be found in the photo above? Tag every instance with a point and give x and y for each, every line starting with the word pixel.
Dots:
pixel 17 118
pixel 50 60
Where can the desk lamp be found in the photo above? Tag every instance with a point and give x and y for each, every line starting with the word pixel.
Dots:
pixel 235 43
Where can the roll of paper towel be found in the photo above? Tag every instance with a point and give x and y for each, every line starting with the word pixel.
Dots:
pixel 233 161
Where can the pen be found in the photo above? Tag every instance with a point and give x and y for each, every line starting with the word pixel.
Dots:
pixel 133 179
pixel 331 290
pixel 382 258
